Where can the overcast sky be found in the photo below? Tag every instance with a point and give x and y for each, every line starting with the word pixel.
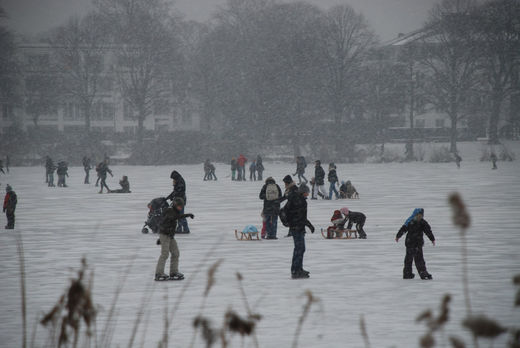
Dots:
pixel 387 17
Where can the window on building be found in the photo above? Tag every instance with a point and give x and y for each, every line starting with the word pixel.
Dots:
pixel 419 123
pixel 161 107
pixel 439 123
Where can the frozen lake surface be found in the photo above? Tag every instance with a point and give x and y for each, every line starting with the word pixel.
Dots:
pixel 351 277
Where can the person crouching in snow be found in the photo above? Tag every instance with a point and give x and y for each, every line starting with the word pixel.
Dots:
pixel 296 213
pixel 9 207
pixel 355 218
pixel 416 226
pixel 125 186
pixel 347 190
pixel 168 243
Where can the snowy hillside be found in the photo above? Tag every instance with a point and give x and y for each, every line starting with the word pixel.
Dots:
pixel 351 277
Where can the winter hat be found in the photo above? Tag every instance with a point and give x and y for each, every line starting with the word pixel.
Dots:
pixel 416 212
pixel 174 175
pixel 270 180
pixel 318 162
pixel 8 188
pixel 288 179
pixel 304 189
pixel 344 211
pixel 336 215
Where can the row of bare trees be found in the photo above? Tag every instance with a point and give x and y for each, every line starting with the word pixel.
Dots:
pixel 263 70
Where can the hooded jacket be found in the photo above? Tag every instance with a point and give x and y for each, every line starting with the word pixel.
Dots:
pixel 179 190
pixel 168 224
pixel 319 175
pixel 296 209
pixel 271 207
pixel 415 230
pixel 10 201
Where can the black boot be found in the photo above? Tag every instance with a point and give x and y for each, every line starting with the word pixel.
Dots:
pixel 426 276
pixel 408 276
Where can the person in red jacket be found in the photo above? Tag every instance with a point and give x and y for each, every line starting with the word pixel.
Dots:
pixel 10 202
pixel 241 164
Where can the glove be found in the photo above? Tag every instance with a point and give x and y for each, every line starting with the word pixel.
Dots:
pixel 158 242
pixel 191 216
pixel 311 228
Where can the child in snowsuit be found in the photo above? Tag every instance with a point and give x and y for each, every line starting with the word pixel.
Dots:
pixel 338 223
pixel 168 243
pixel 347 190
pixel 333 180
pixel 10 202
pixel 355 218
pixel 416 226
pixel 62 172
pixel 125 186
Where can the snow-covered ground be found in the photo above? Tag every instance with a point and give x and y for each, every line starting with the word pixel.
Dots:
pixel 351 277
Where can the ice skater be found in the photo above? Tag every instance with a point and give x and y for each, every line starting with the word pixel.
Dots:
pixel 86 167
pixel 458 159
pixel 103 170
pixel 252 171
pixel 168 243
pixel 415 226
pixel 179 191
pixel 49 171
pixel 301 164
pixel 319 181
pixel 260 167
pixel 494 160
pixel 10 201
pixel 234 167
pixel 62 172
pixel 295 212
pixel 272 196
pixel 333 181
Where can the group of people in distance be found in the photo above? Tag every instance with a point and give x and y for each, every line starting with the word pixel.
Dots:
pixel 294 216
pixel 102 170
pixel 238 169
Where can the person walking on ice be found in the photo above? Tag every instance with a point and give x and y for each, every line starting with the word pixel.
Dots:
pixel 295 212
pixel 319 178
pixel 179 191
pixel 168 243
pixel 10 201
pixel 415 226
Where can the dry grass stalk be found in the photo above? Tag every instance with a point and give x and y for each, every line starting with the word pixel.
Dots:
pixel 311 299
pixel 251 315
pixel 516 281
pixel 364 332
pixel 462 219
pixel 457 342
pixel 427 341
pixel 72 308
pixel 21 257
pixel 209 334
pixel 211 277
pixel 138 319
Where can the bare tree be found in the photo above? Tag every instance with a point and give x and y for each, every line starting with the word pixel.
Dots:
pixel 347 38
pixel 41 94
pixel 79 49
pixel 451 58
pixel 145 51
pixel 499 43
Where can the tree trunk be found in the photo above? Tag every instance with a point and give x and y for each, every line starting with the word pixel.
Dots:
pixel 453 133
pixel 409 146
pixel 87 109
pixel 140 125
pixel 494 117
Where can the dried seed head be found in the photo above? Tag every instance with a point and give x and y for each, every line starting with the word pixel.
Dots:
pixel 516 279
pixel 427 341
pixel 457 342
pixel 235 324
pixel 211 277
pixel 239 276
pixel 482 326
pixel 425 316
pixel 461 216
pixel 445 310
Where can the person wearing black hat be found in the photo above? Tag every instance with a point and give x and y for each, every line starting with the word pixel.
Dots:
pixel 296 213
pixel 9 207
pixel 179 191
pixel 319 178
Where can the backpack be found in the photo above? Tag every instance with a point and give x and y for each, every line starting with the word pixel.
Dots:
pixel 271 192
pixel 283 217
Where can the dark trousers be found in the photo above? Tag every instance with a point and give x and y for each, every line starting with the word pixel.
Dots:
pixel 182 227
pixel 360 230
pixel 299 249
pixel 414 254
pixel 252 175
pixel 50 179
pixel 10 219
pixel 87 175
pixel 300 176
pixel 97 181
pixel 260 175
pixel 271 225
pixel 104 184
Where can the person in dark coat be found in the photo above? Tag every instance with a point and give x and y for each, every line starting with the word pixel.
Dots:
pixel 7 163
pixel 206 170
pixel 234 168
pixel 333 181
pixel 296 212
pixel 355 218
pixel 179 191
pixel 10 201
pixel 125 186
pixel 86 167
pixel 415 226
pixel 301 164
pixel 103 170
pixel 260 168
pixel 49 171
pixel 252 171
pixel 272 196
pixel 458 159
pixel 167 229
pixel 62 172
pixel 319 180
pixel 2 167
pixel 212 169
pixel 347 190
pixel 494 160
